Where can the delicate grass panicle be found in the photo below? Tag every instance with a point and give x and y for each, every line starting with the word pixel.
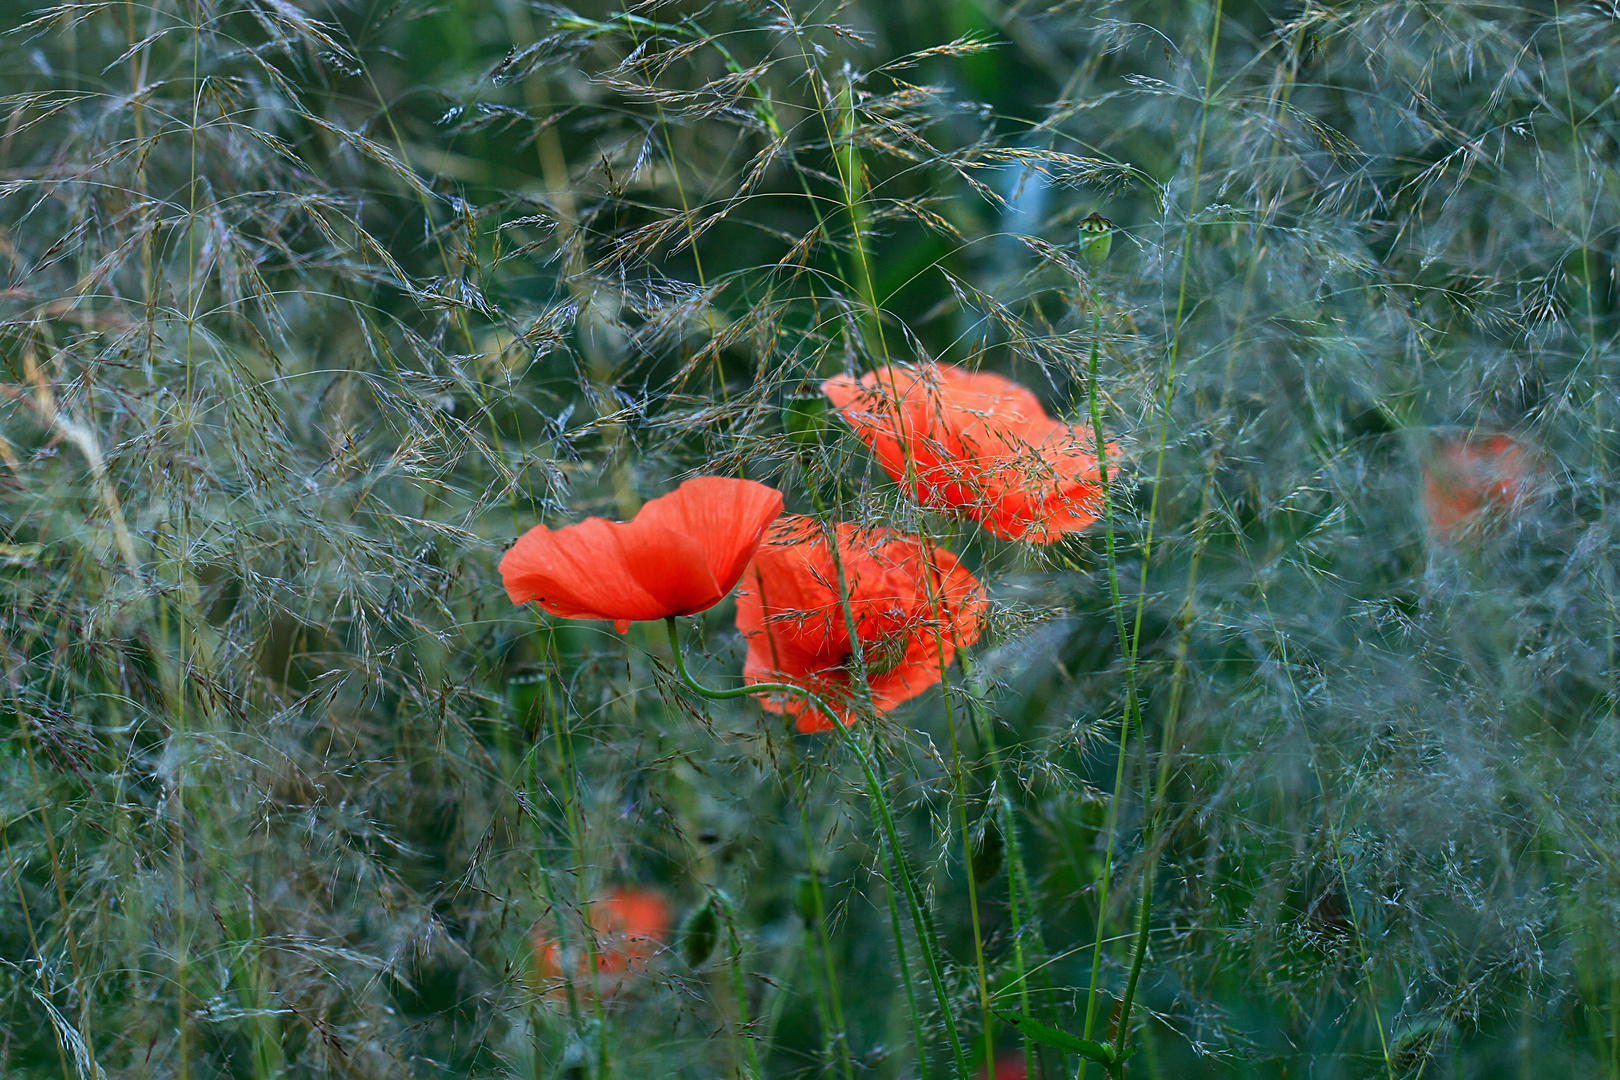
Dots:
pixel 1191 430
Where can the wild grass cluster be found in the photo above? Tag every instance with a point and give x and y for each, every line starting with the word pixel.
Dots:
pixel 1307 749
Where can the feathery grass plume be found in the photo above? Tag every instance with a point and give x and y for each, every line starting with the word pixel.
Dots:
pixel 311 311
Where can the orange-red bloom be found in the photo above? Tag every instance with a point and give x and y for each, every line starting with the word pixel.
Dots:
pixel 1009 1066
pixel 681 554
pixel 628 927
pixel 913 606
pixel 1469 476
pixel 977 443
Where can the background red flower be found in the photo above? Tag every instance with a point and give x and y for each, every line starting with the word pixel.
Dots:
pixel 1471 475
pixel 912 603
pixel 629 927
pixel 680 554
pixel 977 443
pixel 1009 1066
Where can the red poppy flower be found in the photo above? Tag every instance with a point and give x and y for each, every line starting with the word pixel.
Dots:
pixel 1010 1066
pixel 628 926
pixel 790 612
pixel 977 443
pixel 680 554
pixel 1469 476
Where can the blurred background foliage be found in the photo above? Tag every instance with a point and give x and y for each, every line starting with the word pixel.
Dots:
pixel 310 310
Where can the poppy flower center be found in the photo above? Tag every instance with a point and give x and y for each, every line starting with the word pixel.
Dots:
pixel 885 654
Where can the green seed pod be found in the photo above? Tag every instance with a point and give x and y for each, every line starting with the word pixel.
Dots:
pixel 1096 237
pixel 804 897
pixel 804 417
pixel 986 853
pixel 701 933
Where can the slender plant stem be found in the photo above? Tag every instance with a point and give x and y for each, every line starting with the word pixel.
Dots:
pixel 738 986
pixel 563 733
pixel 33 941
pixel 833 1020
pixel 1018 892
pixel 921 1044
pixel 959 796
pixel 1131 715
pixel 920 922
pixel 862 684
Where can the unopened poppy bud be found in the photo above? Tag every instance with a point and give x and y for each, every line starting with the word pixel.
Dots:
pixel 986 853
pixel 701 933
pixel 804 897
pixel 804 418
pixel 1096 237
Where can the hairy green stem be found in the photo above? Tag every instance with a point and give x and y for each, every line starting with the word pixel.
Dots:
pixel 920 923
pixel 738 986
pixel 862 683
pixel 1018 891
pixel 1131 715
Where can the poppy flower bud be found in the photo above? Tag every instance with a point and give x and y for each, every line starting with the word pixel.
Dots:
pixel 701 933
pixel 804 898
pixel 804 418
pixel 1096 237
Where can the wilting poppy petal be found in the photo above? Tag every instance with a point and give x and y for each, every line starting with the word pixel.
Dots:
pixel 912 604
pixel 976 443
pixel 680 554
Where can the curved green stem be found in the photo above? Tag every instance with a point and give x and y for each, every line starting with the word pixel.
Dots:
pixel 1019 896
pixel 920 922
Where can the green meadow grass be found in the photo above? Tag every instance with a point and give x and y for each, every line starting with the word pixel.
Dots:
pixel 310 310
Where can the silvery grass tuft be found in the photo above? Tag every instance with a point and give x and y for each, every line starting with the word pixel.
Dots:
pixel 310 311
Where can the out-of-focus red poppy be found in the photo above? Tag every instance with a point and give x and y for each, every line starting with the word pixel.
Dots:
pixel 1470 476
pixel 789 610
pixel 1009 1066
pixel 629 927
pixel 681 554
pixel 976 443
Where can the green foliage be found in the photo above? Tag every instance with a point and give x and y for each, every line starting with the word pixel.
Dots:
pixel 310 311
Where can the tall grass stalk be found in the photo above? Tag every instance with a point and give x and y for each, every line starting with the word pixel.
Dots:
pixel 307 313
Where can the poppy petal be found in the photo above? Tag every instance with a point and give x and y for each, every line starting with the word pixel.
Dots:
pixel 670 565
pixel 680 554
pixel 577 572
pixel 974 442
pixel 913 606
pixel 726 517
